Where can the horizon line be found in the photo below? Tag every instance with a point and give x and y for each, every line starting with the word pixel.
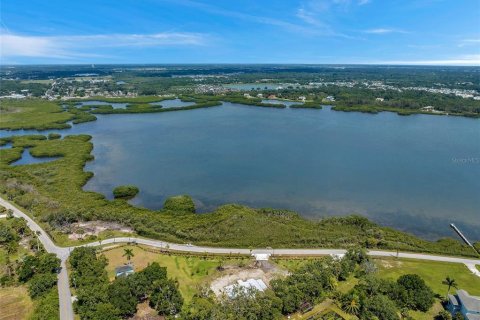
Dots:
pixel 239 63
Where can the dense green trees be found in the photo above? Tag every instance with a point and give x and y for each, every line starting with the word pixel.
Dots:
pixel 37 270
pixel 122 296
pixel 165 297
pixel 385 299
pixel 379 306
pixel 414 293
pixel 244 305
pixel 41 283
pixel 97 298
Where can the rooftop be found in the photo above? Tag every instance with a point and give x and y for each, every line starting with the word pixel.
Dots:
pixel 471 303
pixel 124 269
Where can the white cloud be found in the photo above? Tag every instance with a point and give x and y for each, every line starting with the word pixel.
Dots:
pixel 384 31
pixel 12 45
pixel 363 2
pixel 464 60
pixel 469 42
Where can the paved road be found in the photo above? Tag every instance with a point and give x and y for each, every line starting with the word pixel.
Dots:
pixel 277 252
pixel 66 310
pixel 64 294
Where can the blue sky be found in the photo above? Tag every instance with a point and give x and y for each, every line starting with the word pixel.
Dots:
pixel 445 32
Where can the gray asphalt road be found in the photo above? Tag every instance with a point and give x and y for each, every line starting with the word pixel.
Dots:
pixel 66 310
pixel 64 294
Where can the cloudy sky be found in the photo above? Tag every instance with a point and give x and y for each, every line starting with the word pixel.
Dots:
pixel 444 32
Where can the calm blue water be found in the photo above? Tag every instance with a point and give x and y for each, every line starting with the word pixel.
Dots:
pixel 285 102
pixel 115 105
pixel 173 103
pixel 417 173
pixel 27 158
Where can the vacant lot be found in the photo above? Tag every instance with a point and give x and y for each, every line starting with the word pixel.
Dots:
pixel 432 272
pixel 191 272
pixel 15 303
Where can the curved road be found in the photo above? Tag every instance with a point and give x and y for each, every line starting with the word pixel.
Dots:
pixel 66 310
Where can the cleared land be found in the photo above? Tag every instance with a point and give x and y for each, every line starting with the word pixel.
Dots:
pixel 15 303
pixel 432 272
pixel 191 272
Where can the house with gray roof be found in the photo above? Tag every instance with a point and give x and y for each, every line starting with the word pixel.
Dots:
pixel 124 271
pixel 467 305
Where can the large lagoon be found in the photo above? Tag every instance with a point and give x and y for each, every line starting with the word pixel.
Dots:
pixel 417 173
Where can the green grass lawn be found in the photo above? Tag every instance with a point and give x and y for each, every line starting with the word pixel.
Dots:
pixel 432 272
pixel 191 272
pixel 293 264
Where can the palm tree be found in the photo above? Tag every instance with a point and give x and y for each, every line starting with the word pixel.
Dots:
pixel 450 282
pixel 352 306
pixel 128 253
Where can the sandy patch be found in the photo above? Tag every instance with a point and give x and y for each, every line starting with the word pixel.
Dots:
pixel 144 312
pixel 80 230
pixel 231 274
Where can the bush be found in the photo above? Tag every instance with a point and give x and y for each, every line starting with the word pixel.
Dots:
pixel 53 136
pixel 416 294
pixel 180 203
pixel 125 192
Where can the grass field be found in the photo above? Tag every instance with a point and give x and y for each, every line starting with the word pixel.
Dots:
pixel 15 303
pixel 32 114
pixel 432 272
pixel 191 272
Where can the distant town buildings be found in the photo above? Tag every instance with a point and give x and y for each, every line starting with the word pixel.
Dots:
pixel 428 108
pixel 14 96
pixel 329 99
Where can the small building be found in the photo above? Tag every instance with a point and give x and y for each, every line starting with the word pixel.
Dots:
pixel 260 95
pixel 124 271
pixel 272 96
pixel 329 99
pixel 428 108
pixel 380 99
pixel 467 305
pixel 302 98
